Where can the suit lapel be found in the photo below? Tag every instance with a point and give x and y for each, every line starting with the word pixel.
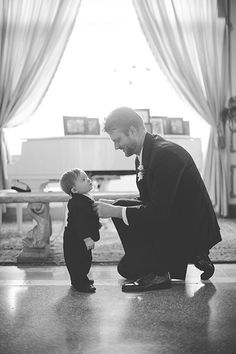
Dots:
pixel 149 141
pixel 142 183
pixel 147 150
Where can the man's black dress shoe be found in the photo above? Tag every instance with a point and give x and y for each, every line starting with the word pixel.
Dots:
pixel 87 288
pixel 148 282
pixel 204 263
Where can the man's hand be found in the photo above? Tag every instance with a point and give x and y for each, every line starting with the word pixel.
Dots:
pixel 107 201
pixel 105 210
pixel 90 244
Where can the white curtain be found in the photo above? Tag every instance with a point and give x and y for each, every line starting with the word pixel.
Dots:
pixel 33 37
pixel 189 42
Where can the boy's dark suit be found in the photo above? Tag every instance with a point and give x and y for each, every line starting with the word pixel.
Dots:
pixel 82 222
pixel 175 220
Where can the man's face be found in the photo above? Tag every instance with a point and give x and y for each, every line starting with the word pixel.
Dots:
pixel 127 143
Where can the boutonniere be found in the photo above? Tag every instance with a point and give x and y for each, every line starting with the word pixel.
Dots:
pixel 140 172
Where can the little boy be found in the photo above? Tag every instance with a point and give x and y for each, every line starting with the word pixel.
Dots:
pixel 82 229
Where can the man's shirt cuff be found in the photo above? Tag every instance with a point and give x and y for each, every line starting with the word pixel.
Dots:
pixel 124 216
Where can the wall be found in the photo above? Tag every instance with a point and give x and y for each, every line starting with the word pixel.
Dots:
pixel 232 136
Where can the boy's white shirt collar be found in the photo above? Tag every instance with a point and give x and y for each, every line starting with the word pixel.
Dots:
pixel 89 195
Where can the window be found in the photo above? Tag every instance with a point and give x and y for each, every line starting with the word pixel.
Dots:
pixel 107 63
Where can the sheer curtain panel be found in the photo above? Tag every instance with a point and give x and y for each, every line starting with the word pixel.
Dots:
pixel 33 37
pixel 189 42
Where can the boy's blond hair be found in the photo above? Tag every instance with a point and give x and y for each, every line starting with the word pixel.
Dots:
pixel 68 179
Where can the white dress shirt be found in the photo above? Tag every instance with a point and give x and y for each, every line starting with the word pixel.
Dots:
pixel 124 216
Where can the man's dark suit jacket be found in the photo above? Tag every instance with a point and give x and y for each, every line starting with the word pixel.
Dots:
pixel 82 221
pixel 176 210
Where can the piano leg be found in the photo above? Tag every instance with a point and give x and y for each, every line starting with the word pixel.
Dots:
pixel 36 244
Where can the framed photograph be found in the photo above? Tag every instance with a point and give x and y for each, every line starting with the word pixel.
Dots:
pixel 176 126
pixel 233 181
pixel 232 141
pixel 157 125
pixel 93 126
pixel 144 114
pixel 148 127
pixel 232 124
pixel 74 125
pixel 186 127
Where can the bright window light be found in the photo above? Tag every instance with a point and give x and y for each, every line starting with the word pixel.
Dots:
pixel 107 63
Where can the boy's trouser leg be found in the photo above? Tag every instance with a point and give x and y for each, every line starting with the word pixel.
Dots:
pixel 78 261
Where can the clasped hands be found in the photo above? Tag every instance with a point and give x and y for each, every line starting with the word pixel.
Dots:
pixel 105 209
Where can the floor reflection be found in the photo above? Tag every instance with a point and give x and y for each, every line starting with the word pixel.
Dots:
pixel 191 317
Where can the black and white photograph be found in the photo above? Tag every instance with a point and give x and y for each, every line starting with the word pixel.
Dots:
pixel 75 125
pixel 92 126
pixel 176 126
pixel 157 125
pixel 233 141
pixel 148 127
pixel 233 181
pixel 117 176
pixel 144 114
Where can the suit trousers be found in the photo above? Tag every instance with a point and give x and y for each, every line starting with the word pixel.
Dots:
pixel 77 258
pixel 144 250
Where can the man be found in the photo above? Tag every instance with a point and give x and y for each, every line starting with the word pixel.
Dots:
pixel 172 223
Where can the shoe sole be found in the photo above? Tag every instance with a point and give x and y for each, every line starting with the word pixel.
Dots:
pixel 208 273
pixel 160 286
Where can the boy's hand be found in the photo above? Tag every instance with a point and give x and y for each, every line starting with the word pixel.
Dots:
pixel 90 244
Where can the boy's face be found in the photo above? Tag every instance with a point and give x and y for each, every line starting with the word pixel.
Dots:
pixel 83 184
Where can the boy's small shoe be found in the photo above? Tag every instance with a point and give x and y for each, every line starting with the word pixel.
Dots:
pixel 88 288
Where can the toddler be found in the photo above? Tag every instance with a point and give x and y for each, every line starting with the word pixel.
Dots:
pixel 82 229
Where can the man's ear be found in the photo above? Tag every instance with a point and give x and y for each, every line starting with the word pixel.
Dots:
pixel 73 190
pixel 133 130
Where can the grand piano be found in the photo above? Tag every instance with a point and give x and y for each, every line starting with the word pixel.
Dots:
pixel 43 160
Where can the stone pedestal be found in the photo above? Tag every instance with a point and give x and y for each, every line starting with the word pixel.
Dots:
pixel 33 255
pixel 36 244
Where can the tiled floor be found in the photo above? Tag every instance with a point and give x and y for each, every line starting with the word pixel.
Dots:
pixel 39 313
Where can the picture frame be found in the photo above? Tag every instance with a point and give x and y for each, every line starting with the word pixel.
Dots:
pixel 232 141
pixel 158 125
pixel 92 126
pixel 233 181
pixel 144 113
pixel 186 124
pixel 148 127
pixel 74 125
pixel 176 126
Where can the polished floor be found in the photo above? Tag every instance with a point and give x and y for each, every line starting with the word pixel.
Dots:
pixel 40 313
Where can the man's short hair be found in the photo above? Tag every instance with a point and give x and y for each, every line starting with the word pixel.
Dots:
pixel 68 179
pixel 123 118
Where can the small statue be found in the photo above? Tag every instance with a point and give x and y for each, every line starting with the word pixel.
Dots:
pixel 39 236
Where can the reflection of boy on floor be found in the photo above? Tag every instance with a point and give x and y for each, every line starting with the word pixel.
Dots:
pixel 82 229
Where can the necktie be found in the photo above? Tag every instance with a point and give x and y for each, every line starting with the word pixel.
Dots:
pixel 137 162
